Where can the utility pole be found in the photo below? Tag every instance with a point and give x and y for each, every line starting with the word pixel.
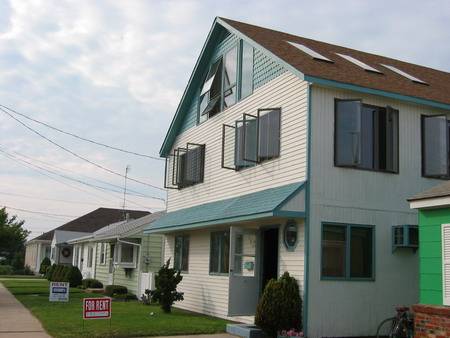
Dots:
pixel 127 169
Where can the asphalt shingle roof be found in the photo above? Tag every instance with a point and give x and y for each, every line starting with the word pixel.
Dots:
pixel 341 70
pixel 441 190
pixel 94 221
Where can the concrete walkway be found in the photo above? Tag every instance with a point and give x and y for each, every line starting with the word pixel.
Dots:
pixel 16 320
pixel 217 335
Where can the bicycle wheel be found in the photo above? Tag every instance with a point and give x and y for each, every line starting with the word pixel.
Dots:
pixel 391 320
pixel 400 329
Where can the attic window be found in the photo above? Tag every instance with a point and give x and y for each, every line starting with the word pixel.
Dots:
pixel 309 51
pixel 211 92
pixel 402 73
pixel 361 64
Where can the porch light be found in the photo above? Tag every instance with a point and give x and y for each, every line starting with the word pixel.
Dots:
pixel 290 235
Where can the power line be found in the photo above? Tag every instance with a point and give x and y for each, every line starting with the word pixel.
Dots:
pixel 133 192
pixel 79 156
pixel 39 212
pixel 73 179
pixel 33 167
pixel 80 137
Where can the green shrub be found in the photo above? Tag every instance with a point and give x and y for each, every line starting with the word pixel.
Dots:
pixel 91 283
pixel 49 272
pixel 166 282
pixel 25 271
pixel 65 274
pixel 6 270
pixel 280 306
pixel 73 276
pixel 112 290
pixel 57 274
pixel 44 265
pixel 124 297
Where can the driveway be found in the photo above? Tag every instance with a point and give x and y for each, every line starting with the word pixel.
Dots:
pixel 16 320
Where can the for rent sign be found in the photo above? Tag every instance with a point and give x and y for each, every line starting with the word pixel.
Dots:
pixel 59 292
pixel 96 308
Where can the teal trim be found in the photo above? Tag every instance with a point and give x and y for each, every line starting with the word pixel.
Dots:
pixel 308 215
pixel 261 48
pixel 255 205
pixel 289 214
pixel 347 277
pixel 356 88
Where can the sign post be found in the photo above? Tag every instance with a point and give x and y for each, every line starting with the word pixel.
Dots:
pixel 59 292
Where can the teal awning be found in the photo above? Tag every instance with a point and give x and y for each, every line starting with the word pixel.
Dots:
pixel 287 200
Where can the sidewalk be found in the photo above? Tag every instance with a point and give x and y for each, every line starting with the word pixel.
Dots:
pixel 16 320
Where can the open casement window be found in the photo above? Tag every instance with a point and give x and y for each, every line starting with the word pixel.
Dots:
pixel 254 139
pixel 446 264
pixel 230 78
pixel 185 167
pixel 366 136
pixel 435 146
pixel 210 95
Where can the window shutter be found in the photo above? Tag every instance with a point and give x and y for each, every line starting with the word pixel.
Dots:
pixel 446 264
pixel 348 132
pixel 251 131
pixel 269 134
pixel 435 146
pixel 391 139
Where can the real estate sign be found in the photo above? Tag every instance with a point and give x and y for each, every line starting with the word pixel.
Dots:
pixel 59 292
pixel 96 308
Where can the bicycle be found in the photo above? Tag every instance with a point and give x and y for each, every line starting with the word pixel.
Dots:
pixel 402 325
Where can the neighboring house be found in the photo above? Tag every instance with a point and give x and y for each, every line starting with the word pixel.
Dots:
pixel 55 247
pixel 121 254
pixel 37 249
pixel 434 241
pixel 290 154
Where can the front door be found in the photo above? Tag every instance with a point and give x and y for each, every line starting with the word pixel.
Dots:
pixel 244 272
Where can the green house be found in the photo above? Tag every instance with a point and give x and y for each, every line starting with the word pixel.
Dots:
pixel 434 234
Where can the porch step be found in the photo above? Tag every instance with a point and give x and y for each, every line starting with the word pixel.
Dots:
pixel 245 331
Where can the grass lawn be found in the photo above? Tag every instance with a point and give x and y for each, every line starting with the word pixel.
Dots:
pixel 129 319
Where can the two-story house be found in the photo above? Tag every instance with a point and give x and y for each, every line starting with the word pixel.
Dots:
pixel 289 154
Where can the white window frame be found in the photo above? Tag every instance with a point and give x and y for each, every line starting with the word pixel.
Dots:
pixel 102 252
pixel 445 236
pixel 118 256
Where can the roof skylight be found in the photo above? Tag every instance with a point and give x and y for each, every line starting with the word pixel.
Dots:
pixel 359 63
pixel 309 51
pixel 402 73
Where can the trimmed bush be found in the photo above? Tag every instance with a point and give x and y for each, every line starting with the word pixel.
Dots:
pixel 44 265
pixel 49 272
pixel 6 270
pixel 91 283
pixel 166 282
pixel 73 276
pixel 57 274
pixel 280 306
pixel 112 290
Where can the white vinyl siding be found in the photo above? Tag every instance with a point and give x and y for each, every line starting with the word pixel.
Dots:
pixel 207 293
pixel 287 92
pixel 446 264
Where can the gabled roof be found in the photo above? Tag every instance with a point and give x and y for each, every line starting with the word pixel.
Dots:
pixel 261 204
pixel 93 221
pixel 339 72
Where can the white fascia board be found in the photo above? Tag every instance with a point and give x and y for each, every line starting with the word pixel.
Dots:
pixel 430 203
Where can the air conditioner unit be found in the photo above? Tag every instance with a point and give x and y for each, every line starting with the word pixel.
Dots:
pixel 405 236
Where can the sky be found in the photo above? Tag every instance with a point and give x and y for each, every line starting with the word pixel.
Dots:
pixel 114 72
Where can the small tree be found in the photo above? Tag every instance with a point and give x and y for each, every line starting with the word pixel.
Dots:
pixel 50 271
pixel 166 282
pixel 280 306
pixel 44 265
pixel 73 276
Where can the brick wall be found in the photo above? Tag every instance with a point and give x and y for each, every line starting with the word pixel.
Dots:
pixel 431 321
